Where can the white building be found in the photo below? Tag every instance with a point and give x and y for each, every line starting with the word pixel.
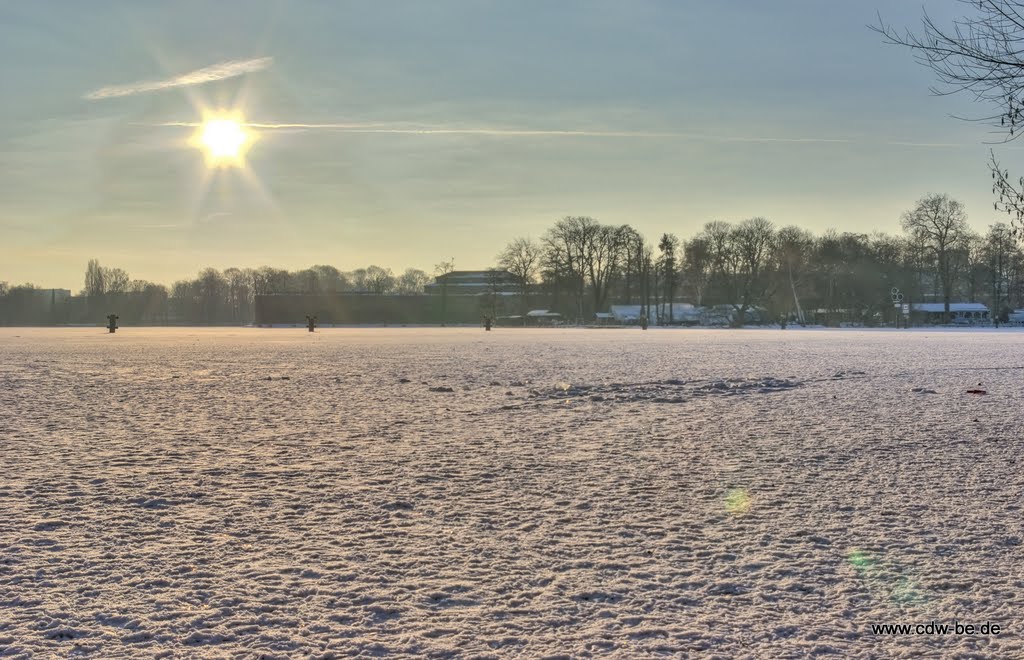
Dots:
pixel 961 313
pixel 680 313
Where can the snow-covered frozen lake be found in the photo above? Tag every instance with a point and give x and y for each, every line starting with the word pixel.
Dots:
pixel 443 492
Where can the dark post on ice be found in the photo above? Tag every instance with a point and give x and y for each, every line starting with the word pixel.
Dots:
pixel 112 323
pixel 310 323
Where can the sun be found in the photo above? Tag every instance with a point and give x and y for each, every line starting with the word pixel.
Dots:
pixel 224 140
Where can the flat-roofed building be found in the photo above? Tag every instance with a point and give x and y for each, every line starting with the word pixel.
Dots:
pixel 473 282
pixel 959 312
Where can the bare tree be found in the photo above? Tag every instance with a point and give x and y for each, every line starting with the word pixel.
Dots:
pixel 940 224
pixel 239 294
pixel 116 279
pixel 372 279
pixel 589 253
pixel 359 279
pixel 998 253
pixel 211 288
pixel 148 302
pixel 330 279
pixel 101 282
pixel 648 278
pixel 95 279
pixel 603 252
pixel 981 54
pixel 267 280
pixel 412 282
pixel 441 271
pixel 379 280
pixel 697 266
pixel 445 267
pixel 555 277
pixel 719 237
pixel 668 266
pixel 632 261
pixel 522 257
pixel 565 244
pixel 971 265
pixel 795 247
pixel 752 247
pixel 306 281
pixel 494 279
pixel 257 282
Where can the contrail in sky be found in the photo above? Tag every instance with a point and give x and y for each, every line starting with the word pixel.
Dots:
pixel 404 129
pixel 412 129
pixel 212 73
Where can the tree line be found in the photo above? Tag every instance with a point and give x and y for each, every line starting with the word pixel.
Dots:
pixel 580 266
pixel 212 297
pixel 784 273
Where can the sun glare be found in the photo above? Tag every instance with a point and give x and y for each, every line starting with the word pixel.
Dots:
pixel 223 140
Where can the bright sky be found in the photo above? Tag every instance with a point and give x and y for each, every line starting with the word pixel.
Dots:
pixel 421 131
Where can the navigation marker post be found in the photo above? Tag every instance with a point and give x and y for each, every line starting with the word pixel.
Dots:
pixel 901 307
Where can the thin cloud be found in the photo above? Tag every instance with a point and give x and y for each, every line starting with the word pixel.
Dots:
pixel 212 73
pixel 929 145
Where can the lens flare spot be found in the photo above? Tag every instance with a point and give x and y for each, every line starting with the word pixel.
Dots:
pixel 860 560
pixel 737 501
pixel 883 580
pixel 906 592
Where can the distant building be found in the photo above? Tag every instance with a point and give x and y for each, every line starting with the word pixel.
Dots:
pixel 684 313
pixel 473 282
pixel 728 314
pixel 681 313
pixel 626 313
pixel 960 313
pixel 836 316
pixel 542 317
pixel 717 315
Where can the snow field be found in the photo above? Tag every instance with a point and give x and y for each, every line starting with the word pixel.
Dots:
pixel 518 493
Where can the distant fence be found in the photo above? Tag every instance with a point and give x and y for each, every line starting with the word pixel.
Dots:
pixel 41 307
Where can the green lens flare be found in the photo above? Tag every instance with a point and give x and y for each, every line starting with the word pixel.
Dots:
pixel 861 560
pixel 737 501
pixel 881 582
